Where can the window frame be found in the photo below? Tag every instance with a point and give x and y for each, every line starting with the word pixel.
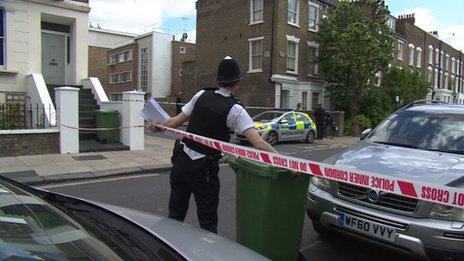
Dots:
pixel 400 54
pixel 313 45
pixel 318 15
pixel 120 54
pixel 442 60
pixel 430 54
pixel 378 75
pixel 447 62
pixel 252 11
pixel 430 74
pixel 297 13
pixel 296 41
pixel 3 39
pixel 250 54
pixel 304 100
pixel 435 82
pixel 411 54
pixel 446 81
pixel 144 69
pixel 119 77
pixel 418 58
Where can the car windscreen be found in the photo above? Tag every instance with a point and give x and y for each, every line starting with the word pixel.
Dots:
pixel 267 116
pixel 30 229
pixel 48 226
pixel 422 130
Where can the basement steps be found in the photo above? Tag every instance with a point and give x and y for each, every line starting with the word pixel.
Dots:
pixel 87 107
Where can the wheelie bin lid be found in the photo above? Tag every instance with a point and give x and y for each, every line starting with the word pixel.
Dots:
pixel 107 111
pixel 257 168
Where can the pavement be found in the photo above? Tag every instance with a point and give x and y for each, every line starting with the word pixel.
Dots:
pixel 52 168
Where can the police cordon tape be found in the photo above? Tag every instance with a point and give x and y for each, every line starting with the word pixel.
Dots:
pixel 445 195
pixel 102 129
pixel 246 107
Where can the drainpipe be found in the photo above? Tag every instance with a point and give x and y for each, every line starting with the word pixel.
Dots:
pixel 439 66
pixel 273 50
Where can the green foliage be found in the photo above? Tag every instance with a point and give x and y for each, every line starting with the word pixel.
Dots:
pixel 9 118
pixel 409 85
pixel 360 120
pixel 354 46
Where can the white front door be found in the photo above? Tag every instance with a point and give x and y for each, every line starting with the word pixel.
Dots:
pixel 53 58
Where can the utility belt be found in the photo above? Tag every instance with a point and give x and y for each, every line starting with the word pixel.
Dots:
pixel 179 150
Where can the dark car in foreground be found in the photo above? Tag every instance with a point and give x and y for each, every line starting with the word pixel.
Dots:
pixel 41 225
pixel 423 141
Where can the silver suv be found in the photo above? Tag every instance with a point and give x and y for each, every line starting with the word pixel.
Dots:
pixel 423 141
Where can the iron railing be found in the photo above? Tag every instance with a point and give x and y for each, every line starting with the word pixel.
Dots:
pixel 26 116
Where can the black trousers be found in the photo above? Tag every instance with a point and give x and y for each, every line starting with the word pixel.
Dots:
pixel 320 126
pixel 199 177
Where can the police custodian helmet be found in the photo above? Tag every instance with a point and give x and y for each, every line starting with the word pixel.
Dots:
pixel 228 71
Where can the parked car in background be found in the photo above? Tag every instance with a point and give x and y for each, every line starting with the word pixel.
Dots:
pixel 41 225
pixel 274 126
pixel 423 141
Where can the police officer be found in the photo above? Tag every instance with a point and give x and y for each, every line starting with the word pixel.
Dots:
pixel 211 113
pixel 319 114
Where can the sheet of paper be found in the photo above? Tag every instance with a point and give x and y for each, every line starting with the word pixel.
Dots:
pixel 153 112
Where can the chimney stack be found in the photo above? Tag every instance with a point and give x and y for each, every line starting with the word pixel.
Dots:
pixel 407 18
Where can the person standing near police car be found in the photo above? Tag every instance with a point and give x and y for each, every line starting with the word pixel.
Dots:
pixel 212 113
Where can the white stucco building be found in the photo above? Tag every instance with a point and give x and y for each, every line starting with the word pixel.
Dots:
pixel 45 37
pixel 157 67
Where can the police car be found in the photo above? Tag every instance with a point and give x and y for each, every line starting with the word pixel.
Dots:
pixel 276 126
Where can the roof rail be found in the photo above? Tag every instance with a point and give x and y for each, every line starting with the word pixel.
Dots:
pixel 422 102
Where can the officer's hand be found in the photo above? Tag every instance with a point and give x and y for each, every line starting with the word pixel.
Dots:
pixel 154 127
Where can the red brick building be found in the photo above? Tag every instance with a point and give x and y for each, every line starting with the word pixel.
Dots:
pixel 181 52
pixel 122 69
pixel 275 44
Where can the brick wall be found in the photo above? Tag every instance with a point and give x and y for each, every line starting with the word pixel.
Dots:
pixel 29 144
pixel 181 52
pixel 131 65
pixel 223 29
pixel 98 64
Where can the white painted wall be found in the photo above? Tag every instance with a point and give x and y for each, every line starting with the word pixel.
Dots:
pixel 162 64
pixel 67 101
pixel 38 95
pixel 443 95
pixel 97 89
pixel 146 42
pixel 295 89
pixel 23 39
pixel 133 103
pixel 108 38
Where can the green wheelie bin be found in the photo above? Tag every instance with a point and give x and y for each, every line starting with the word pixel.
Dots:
pixel 107 119
pixel 269 209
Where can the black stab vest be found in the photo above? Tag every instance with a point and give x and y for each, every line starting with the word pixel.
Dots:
pixel 209 119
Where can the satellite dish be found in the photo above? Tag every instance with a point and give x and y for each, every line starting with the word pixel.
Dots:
pixel 184 36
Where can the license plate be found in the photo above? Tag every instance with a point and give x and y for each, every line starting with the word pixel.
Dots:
pixel 367 227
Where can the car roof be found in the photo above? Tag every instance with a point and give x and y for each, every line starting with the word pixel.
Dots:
pixel 439 108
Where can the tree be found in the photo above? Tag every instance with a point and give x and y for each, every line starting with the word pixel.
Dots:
pixel 407 84
pixel 355 45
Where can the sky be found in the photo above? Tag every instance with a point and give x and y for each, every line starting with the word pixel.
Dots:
pixel 179 16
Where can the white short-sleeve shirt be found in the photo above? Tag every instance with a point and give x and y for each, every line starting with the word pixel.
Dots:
pixel 238 119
